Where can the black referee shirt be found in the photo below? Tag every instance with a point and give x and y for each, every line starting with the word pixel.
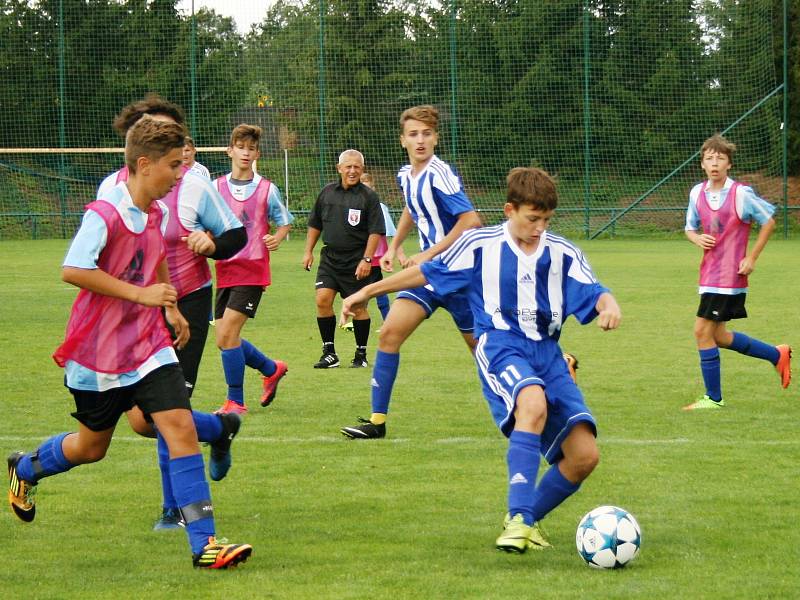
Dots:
pixel 347 217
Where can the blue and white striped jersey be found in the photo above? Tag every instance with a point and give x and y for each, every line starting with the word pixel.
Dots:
pixel 508 290
pixel 435 198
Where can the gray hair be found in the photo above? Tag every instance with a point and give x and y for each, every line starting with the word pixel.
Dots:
pixel 351 152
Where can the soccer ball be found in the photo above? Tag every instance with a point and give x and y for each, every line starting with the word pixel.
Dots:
pixel 608 537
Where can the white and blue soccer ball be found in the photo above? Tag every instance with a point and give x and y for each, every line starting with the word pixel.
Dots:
pixel 608 537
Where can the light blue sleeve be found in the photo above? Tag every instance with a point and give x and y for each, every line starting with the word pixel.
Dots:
pixel 84 251
pixel 391 230
pixel 278 213
pixel 755 208
pixel 692 216
pixel 213 213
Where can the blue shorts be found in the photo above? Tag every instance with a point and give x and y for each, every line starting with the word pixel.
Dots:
pixel 507 363
pixel 456 304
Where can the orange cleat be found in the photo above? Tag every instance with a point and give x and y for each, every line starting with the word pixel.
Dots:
pixel 271 382
pixel 784 366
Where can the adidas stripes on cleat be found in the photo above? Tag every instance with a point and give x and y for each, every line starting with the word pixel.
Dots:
pixel 271 383
pixel 21 493
pixel 220 456
pixel 365 431
pixel 219 554
pixel 328 360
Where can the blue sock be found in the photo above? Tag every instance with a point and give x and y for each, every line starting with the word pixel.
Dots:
pixel 233 367
pixel 209 426
pixel 523 466
pixel 744 344
pixel 51 458
pixel 255 359
pixel 383 375
pixel 166 481
pixel 189 485
pixel 710 367
pixel 552 490
pixel 383 305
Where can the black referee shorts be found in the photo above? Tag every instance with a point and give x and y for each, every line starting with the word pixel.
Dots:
pixel 342 279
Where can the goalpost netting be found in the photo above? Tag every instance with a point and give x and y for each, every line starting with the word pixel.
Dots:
pixel 614 98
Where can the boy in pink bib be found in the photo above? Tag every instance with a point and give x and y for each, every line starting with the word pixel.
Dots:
pixel 718 220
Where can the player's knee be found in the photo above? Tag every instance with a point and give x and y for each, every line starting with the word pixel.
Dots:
pixel 530 413
pixel 93 453
pixel 704 331
pixel 579 466
pixel 390 338
pixel 587 462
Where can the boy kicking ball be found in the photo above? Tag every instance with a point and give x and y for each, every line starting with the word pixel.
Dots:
pixel 522 282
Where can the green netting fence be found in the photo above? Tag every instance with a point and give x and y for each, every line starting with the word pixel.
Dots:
pixel 615 98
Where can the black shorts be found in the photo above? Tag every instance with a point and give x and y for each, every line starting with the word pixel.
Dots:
pixel 341 279
pixel 722 307
pixel 162 389
pixel 241 298
pixel 196 308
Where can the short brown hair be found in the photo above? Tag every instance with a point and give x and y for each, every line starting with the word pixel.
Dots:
pixel 152 104
pixel 424 113
pixel 152 138
pixel 717 143
pixel 243 131
pixel 531 186
pixel 189 141
pixel 367 179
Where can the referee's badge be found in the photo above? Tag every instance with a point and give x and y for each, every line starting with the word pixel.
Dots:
pixel 354 216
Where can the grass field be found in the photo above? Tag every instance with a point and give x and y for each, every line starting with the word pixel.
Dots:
pixel 416 515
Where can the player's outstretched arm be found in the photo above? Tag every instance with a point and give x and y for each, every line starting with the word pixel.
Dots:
pixel 609 314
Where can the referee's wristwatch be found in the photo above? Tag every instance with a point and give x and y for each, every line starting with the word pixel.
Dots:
pixel 367 259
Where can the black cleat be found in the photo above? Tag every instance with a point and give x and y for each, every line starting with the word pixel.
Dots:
pixel 359 360
pixel 328 360
pixel 220 457
pixel 367 430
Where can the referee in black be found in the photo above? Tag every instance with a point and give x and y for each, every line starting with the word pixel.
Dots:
pixel 348 215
